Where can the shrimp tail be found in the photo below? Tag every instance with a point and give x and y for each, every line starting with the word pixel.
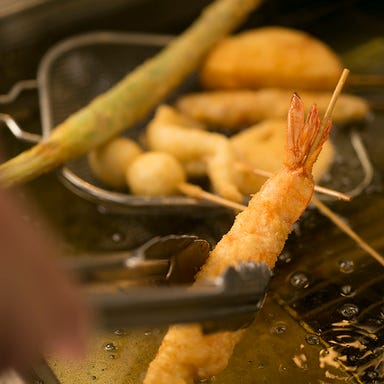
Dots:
pixel 305 137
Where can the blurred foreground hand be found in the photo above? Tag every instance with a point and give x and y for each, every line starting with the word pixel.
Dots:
pixel 41 310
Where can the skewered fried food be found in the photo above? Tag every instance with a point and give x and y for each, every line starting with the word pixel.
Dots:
pixel 155 174
pixel 271 57
pixel 148 174
pixel 160 174
pixel 262 146
pixel 110 161
pixel 258 234
pixel 191 144
pixel 234 109
pixel 132 98
pixel 166 115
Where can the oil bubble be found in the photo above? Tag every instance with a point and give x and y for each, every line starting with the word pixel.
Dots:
pixel 312 339
pixel 93 377
pixel 101 209
pixel 283 369
pixel 299 280
pixel 353 358
pixel 208 380
pixel 119 332
pixel 347 266
pixel 279 328
pixel 349 310
pixel 109 347
pixel 117 237
pixel 347 291
pixel 372 375
pixel 285 257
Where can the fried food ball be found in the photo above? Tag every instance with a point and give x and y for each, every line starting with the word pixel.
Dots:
pixel 234 109
pixel 155 174
pixel 271 57
pixel 110 161
pixel 262 146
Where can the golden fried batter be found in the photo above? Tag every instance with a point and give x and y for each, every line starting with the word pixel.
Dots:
pixel 258 234
pixel 234 109
pixel 271 57
pixel 262 146
pixel 189 145
pixel 110 161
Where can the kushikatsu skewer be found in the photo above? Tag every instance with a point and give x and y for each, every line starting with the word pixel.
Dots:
pixel 330 214
pixel 258 234
pixel 155 173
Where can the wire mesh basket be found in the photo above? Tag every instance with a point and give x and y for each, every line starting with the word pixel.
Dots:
pixel 72 73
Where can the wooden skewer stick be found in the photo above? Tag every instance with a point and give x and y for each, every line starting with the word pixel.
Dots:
pixel 195 191
pixel 324 123
pixel 346 229
pixel 328 113
pixel 327 191
pixel 339 86
pixel 322 207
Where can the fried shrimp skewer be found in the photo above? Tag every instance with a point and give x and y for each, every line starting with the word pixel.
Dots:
pixel 258 234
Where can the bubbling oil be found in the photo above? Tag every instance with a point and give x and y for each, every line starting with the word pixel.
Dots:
pixel 358 347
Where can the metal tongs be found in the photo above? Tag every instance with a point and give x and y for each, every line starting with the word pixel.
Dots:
pixel 229 302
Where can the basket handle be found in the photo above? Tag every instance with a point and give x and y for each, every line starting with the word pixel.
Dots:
pixel 9 121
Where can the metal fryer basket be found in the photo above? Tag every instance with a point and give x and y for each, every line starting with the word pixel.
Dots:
pixel 75 71
pixel 70 75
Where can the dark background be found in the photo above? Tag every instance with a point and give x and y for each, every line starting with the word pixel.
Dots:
pixel 27 31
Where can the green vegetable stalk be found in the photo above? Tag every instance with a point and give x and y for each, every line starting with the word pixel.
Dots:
pixel 132 98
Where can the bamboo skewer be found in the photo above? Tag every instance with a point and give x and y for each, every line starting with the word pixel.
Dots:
pixel 347 229
pixel 323 125
pixel 328 113
pixel 327 191
pixel 132 98
pixel 339 87
pixel 336 220
pixel 197 192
